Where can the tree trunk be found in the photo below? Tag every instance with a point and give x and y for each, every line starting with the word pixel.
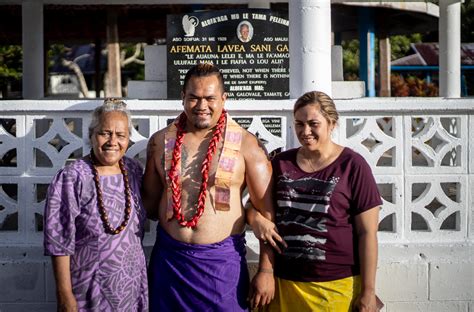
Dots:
pixel 77 70
pixel 114 82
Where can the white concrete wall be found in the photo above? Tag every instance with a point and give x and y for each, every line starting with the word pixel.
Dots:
pixel 417 271
pixel 155 84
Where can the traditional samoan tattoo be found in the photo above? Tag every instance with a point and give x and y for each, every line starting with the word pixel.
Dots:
pixel 162 161
pixel 184 158
pixel 193 189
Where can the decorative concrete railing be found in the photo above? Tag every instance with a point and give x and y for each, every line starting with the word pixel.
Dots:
pixel 421 152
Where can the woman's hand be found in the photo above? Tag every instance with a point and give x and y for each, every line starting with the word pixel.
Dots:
pixel 62 274
pixel 67 302
pixel 264 229
pixel 366 303
pixel 366 227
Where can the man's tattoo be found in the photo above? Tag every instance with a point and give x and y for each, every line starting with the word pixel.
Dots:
pixel 184 158
pixel 162 161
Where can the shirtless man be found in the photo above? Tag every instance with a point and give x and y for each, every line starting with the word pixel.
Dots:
pixel 198 261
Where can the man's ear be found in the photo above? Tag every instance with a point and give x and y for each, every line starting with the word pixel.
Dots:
pixel 224 96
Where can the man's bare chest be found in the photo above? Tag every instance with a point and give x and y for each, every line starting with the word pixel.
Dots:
pixel 194 158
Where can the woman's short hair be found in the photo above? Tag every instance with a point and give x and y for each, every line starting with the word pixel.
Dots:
pixel 326 105
pixel 109 105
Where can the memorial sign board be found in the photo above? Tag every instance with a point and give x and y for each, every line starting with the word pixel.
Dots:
pixel 250 46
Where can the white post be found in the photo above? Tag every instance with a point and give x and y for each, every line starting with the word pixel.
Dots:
pixel 33 49
pixel 450 48
pixel 310 46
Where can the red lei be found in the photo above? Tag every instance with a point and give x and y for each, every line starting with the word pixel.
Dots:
pixel 206 166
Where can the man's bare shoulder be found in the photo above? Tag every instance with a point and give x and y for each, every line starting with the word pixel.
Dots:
pixel 252 147
pixel 156 144
pixel 157 140
pixel 160 134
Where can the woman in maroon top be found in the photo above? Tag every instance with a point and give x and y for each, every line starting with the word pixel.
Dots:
pixel 327 207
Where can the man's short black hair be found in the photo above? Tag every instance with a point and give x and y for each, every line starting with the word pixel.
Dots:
pixel 204 70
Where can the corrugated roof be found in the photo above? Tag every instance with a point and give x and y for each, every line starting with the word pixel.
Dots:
pixel 427 53
pixel 410 60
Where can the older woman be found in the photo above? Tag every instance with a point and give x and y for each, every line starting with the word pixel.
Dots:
pixel 94 222
pixel 327 206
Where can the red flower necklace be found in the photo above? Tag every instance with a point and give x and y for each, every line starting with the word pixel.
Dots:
pixel 206 166
pixel 100 201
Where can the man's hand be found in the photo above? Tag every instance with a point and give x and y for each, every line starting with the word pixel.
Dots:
pixel 262 288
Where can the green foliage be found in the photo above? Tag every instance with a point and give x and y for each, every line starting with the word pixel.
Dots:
pixel 55 52
pixel 400 45
pixel 11 57
pixel 350 59
pixel 10 63
pixel 134 71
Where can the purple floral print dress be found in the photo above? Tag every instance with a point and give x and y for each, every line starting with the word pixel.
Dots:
pixel 108 272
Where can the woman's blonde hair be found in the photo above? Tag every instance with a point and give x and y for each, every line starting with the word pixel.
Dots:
pixel 324 101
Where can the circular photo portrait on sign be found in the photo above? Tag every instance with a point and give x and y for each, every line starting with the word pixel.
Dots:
pixel 245 31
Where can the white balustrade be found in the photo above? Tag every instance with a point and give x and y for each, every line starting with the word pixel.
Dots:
pixel 421 152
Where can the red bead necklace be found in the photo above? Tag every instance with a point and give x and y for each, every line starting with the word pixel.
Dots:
pixel 100 201
pixel 206 166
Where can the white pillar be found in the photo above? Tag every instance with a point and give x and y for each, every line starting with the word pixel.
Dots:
pixel 310 46
pixel 33 49
pixel 450 48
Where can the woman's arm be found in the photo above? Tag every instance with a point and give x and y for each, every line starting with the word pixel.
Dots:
pixel 62 274
pixel 264 229
pixel 366 228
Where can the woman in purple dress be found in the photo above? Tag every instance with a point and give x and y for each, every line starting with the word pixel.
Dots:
pixel 94 222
